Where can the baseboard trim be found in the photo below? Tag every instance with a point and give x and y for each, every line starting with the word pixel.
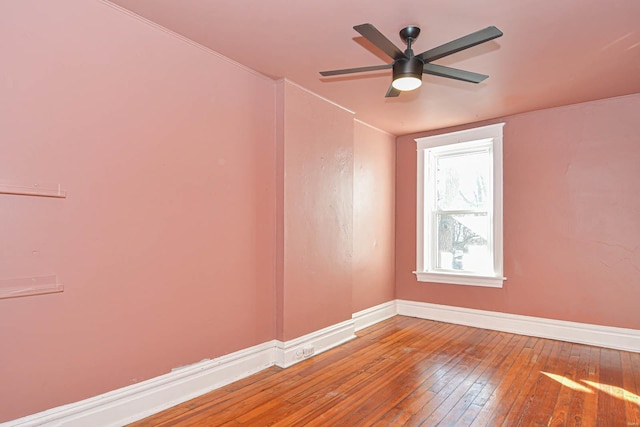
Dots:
pixel 373 315
pixel 582 333
pixel 138 401
pixel 291 352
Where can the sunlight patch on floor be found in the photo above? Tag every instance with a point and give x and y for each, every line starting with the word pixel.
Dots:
pixel 615 391
pixel 567 382
pixel 612 390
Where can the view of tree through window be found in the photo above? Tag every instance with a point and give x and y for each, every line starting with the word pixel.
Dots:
pixel 463 204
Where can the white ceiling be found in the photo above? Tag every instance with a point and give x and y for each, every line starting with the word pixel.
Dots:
pixel 553 52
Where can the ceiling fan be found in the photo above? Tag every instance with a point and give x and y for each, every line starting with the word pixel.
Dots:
pixel 408 68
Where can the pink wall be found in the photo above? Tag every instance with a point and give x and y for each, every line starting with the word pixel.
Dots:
pixel 315 169
pixel 191 194
pixel 374 154
pixel 571 210
pixel 165 243
pixel 335 213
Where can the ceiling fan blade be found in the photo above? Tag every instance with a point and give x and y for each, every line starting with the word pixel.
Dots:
pixel 355 70
pixel 372 34
pixel 453 73
pixel 392 92
pixel 462 43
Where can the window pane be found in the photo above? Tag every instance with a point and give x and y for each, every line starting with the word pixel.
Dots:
pixel 463 243
pixel 463 181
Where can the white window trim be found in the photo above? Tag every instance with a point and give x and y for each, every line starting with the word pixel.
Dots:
pixel 491 132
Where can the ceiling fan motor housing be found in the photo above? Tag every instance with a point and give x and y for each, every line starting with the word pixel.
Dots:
pixel 411 67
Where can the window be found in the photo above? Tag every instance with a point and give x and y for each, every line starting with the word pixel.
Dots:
pixel 459 218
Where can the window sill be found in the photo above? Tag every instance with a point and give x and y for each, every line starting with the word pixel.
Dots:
pixel 460 279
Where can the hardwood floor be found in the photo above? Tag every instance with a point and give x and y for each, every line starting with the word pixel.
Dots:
pixel 407 371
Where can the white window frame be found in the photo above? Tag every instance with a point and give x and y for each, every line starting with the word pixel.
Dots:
pixel 487 137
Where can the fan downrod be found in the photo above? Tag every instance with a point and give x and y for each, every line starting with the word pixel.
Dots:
pixel 409 33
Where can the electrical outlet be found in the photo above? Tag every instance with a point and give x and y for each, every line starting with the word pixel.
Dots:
pixel 308 351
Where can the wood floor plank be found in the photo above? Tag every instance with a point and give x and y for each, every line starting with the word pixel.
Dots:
pixel 630 383
pixel 495 391
pixel 591 399
pixel 405 383
pixel 521 390
pixel 406 371
pixel 493 345
pixel 536 390
pixel 230 409
pixel 491 380
pixel 568 388
pixel 576 405
pixel 373 358
pixel 424 393
pixel 611 404
pixel 448 388
pixel 519 373
pixel 326 416
pixel 449 406
pixel 363 360
pixel 554 369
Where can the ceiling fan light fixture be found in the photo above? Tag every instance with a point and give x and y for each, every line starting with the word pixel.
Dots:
pixel 407 74
pixel 406 84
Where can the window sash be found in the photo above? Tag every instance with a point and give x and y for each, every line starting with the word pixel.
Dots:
pixel 435 250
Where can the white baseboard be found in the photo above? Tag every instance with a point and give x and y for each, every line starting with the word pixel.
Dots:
pixel 582 333
pixel 138 401
pixel 291 352
pixel 373 315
